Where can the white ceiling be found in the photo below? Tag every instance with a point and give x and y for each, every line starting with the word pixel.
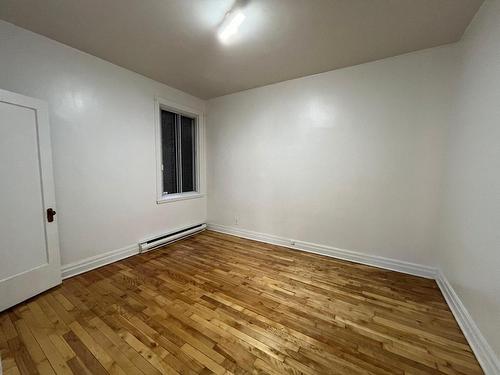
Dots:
pixel 174 41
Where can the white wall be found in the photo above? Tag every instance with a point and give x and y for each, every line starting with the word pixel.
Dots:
pixel 349 158
pixel 469 233
pixel 102 124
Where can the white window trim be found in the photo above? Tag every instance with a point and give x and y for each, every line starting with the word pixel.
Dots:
pixel 168 105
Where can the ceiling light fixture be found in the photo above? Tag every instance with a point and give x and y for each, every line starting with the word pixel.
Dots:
pixel 229 27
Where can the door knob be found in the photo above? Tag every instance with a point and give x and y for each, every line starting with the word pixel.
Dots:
pixel 50 215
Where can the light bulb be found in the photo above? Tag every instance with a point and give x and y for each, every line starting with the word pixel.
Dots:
pixel 230 25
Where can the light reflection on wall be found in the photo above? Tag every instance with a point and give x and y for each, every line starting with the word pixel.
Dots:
pixel 319 114
pixel 71 99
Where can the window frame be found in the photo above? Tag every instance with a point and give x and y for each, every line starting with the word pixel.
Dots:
pixel 197 115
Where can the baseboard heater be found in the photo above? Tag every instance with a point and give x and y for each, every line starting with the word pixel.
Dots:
pixel 164 239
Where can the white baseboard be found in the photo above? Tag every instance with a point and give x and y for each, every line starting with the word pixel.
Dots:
pixel 350 255
pixel 483 351
pixel 76 268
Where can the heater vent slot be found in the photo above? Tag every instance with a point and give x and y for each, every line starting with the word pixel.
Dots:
pixel 164 239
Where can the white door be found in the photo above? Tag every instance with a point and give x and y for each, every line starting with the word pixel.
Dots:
pixel 29 244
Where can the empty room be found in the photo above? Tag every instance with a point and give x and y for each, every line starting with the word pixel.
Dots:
pixel 250 187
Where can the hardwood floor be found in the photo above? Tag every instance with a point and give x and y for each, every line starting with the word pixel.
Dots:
pixel 221 304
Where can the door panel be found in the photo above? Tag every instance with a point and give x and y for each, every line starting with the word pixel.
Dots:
pixel 29 249
pixel 21 198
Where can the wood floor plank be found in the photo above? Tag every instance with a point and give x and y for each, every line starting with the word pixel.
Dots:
pixel 23 359
pixel 214 303
pixel 84 355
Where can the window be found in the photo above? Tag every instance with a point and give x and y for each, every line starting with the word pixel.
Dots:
pixel 178 156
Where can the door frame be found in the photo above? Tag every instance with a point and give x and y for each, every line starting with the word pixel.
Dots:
pixel 19 287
